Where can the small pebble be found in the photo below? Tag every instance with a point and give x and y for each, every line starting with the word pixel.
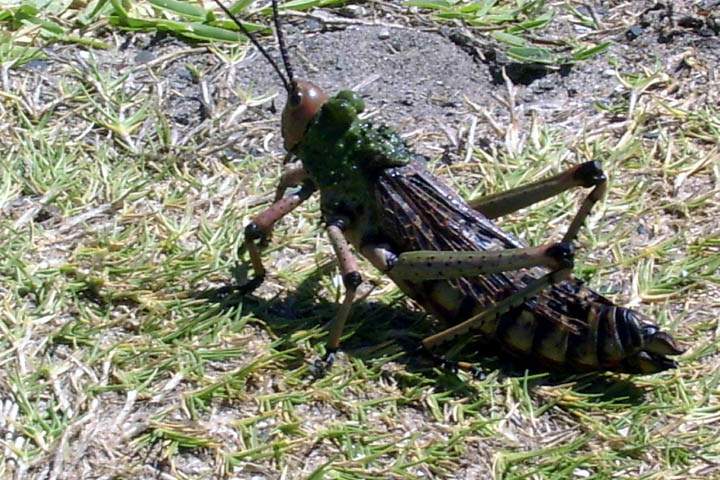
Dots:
pixel 634 32
pixel 353 11
pixel 144 56
pixel 384 34
pixel 37 64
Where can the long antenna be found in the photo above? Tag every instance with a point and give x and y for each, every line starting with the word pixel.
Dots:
pixel 281 41
pixel 288 86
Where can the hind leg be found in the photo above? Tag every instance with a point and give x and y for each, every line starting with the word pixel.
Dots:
pixel 588 174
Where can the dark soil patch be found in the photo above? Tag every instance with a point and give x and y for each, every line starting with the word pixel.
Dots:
pixel 411 78
pixel 414 79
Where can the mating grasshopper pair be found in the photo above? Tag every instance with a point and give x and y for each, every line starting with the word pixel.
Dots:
pixel 444 252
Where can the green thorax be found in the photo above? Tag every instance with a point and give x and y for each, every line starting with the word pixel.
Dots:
pixel 340 151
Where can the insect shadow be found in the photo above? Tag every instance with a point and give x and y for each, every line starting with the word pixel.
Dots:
pixel 379 332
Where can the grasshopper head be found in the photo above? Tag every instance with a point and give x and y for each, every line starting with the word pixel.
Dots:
pixel 304 98
pixel 304 102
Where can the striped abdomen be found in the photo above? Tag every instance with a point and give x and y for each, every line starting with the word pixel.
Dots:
pixel 612 338
pixel 581 331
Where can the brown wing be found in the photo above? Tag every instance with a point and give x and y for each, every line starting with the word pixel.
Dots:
pixel 418 212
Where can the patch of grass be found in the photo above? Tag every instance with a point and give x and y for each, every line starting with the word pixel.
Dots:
pixel 187 19
pixel 518 27
pixel 117 221
pixel 521 26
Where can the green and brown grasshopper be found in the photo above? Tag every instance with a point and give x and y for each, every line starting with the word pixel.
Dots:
pixel 442 251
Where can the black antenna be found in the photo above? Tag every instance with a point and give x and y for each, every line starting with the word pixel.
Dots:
pixel 281 41
pixel 288 86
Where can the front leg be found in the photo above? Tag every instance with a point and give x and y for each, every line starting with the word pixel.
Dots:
pixel 294 174
pixel 258 231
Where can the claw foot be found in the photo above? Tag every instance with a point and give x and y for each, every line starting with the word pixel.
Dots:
pixel 321 366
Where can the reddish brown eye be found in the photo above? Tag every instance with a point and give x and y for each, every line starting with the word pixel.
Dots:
pixel 302 106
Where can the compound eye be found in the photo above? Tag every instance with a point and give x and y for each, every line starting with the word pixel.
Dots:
pixel 295 98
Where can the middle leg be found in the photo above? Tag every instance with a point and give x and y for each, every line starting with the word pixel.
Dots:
pixel 351 280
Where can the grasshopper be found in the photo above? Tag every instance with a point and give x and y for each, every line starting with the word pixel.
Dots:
pixel 442 251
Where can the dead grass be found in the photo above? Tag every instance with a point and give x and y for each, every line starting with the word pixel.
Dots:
pixel 115 216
